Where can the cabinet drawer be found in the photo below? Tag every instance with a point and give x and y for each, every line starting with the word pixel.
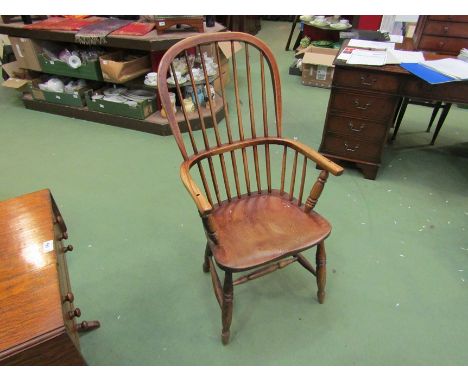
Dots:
pixel 356 128
pixel 365 79
pixel 350 148
pixel 458 19
pixel 442 44
pixel 417 88
pixel 363 105
pixel 440 28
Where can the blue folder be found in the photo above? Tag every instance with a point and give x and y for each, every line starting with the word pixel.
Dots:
pixel 427 74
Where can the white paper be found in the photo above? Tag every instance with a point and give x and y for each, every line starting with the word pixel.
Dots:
pixel 346 53
pixel 396 38
pixel 371 44
pixel 368 57
pixel 451 67
pixel 403 56
pixel 47 246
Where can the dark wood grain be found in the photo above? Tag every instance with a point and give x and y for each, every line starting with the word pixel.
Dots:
pixel 264 228
pixel 442 34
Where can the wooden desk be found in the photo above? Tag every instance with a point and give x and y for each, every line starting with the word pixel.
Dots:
pixel 37 314
pixel 362 104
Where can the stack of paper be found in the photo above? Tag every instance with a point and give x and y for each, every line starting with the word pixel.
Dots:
pixel 368 57
pixel 451 67
pixel 400 56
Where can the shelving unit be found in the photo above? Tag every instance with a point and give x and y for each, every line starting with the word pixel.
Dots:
pixel 154 43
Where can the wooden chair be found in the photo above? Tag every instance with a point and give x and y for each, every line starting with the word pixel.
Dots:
pixel 251 225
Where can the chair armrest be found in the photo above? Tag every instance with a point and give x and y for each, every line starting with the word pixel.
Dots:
pixel 204 207
pixel 318 158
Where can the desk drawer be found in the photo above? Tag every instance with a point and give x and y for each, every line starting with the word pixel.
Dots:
pixel 417 88
pixel 363 105
pixel 356 128
pixel 440 28
pixel 365 79
pixel 442 44
pixel 458 19
pixel 350 148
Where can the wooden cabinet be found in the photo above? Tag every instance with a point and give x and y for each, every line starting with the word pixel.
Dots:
pixel 362 103
pixel 37 308
pixel 444 34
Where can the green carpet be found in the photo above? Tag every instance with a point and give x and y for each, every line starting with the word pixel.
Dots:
pixel 397 286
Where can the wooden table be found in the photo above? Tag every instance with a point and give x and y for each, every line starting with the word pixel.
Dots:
pixel 155 43
pixel 37 314
pixel 362 105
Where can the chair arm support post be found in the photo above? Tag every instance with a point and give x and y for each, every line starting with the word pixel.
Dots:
pixel 210 228
pixel 316 191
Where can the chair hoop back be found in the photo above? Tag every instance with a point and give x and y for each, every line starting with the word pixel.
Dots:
pixel 196 43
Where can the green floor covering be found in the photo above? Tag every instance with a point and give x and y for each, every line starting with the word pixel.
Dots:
pixel 397 287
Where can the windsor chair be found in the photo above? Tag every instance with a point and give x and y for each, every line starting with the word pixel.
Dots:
pixel 257 229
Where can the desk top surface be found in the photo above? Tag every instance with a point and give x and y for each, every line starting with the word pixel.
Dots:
pixel 29 285
pixel 407 44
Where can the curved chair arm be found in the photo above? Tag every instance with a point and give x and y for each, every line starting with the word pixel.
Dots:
pixel 313 155
pixel 204 207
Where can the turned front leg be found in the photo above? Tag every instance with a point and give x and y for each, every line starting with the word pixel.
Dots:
pixel 321 261
pixel 228 295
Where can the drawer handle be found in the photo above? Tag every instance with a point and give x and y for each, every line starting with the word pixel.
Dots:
pixel 368 81
pixel 355 148
pixel 351 127
pixel 68 248
pixel 441 43
pixel 69 297
pixel 365 107
pixel 446 29
pixel 74 313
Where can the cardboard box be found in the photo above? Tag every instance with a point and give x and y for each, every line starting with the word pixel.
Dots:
pixel 90 70
pixel 115 70
pixel 225 51
pixel 20 79
pixel 26 51
pixel 317 66
pixel 142 110
pixel 224 77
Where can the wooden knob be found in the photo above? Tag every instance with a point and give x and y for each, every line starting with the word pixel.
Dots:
pixel 69 297
pixel 74 313
pixel 68 248
pixel 84 325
